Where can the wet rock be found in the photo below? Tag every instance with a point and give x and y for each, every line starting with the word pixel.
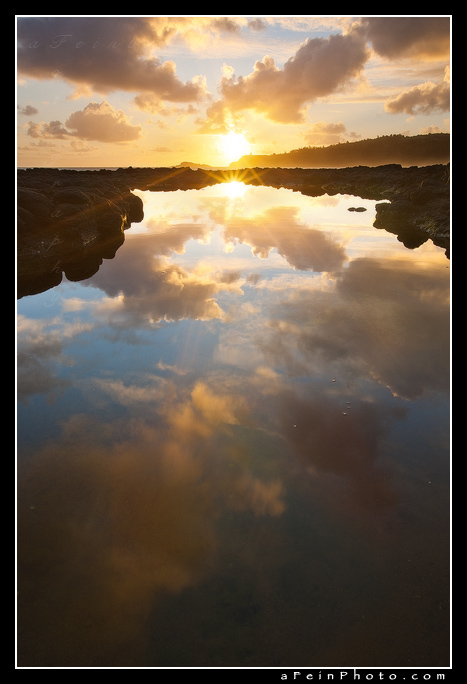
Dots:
pixel 71 195
pixel 34 209
pixel 67 223
pixel 399 218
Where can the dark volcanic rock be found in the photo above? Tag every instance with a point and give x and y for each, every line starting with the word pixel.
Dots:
pixel 399 218
pixel 67 223
pixel 34 209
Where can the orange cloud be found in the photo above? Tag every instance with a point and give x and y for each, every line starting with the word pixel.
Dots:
pixel 103 123
pixel 100 122
pixel 319 67
pixel 423 99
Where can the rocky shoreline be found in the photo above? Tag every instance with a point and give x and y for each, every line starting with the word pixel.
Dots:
pixel 68 221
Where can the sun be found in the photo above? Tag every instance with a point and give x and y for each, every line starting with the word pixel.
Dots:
pixel 232 146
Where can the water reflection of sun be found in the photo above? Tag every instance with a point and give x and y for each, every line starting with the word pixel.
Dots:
pixel 234 189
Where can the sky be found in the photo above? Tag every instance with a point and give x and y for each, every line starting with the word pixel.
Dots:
pixel 119 91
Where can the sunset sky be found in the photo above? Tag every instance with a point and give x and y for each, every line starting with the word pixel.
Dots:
pixel 156 91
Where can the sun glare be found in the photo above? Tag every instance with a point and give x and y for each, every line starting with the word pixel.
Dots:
pixel 233 146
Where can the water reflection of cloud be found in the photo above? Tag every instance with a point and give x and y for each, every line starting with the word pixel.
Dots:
pixel 153 288
pixel 303 247
pixel 165 237
pixel 124 518
pixel 257 221
pixel 343 444
pixel 388 319
pixel 40 345
pixel 162 291
pixel 133 499
pixel 113 512
pixel 154 390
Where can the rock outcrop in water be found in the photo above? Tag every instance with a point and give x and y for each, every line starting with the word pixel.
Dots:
pixel 68 221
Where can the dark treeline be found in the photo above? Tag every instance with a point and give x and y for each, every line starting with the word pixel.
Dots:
pixel 417 150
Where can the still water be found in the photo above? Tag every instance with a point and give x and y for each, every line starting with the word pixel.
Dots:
pixel 234 443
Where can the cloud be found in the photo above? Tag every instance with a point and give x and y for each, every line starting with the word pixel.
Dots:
pixel 176 294
pixel 226 24
pixel 104 54
pixel 34 146
pixel 423 99
pixel 103 123
pixel 257 24
pixel 100 122
pixel 148 102
pixel 322 133
pixel 415 37
pixel 323 66
pixel 161 541
pixel 320 67
pixel 52 129
pixel 29 110
pixel 430 129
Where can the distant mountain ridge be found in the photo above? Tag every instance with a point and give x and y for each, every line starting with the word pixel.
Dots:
pixel 195 165
pixel 417 150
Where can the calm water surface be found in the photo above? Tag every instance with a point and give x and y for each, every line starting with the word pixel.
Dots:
pixel 233 443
